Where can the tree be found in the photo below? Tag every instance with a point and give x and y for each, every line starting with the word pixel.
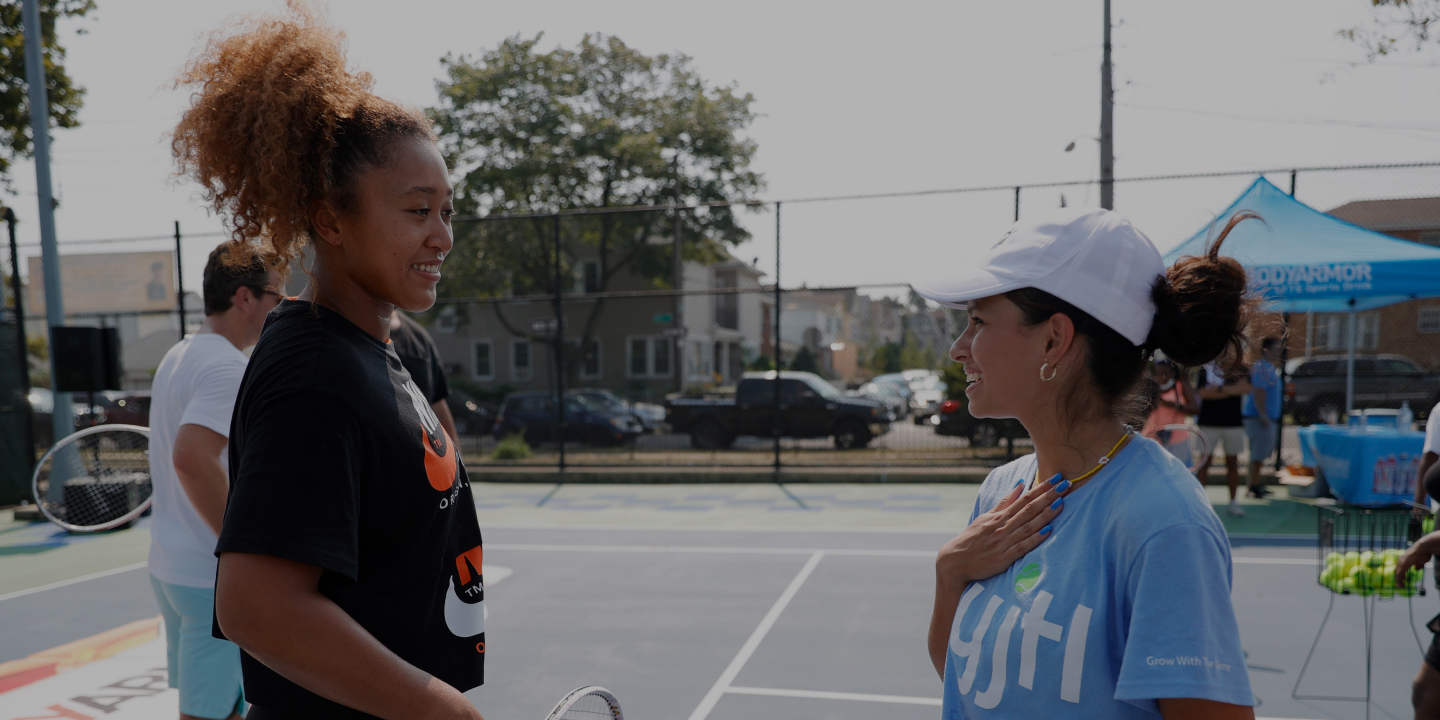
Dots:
pixel 598 125
pixel 804 361
pixel 66 98
pixel 1396 25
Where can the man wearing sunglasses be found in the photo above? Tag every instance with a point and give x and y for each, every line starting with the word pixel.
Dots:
pixel 192 398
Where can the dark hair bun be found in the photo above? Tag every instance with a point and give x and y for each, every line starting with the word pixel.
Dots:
pixel 1201 306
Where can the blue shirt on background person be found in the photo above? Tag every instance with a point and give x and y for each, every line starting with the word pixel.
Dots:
pixel 1126 603
pixel 1263 376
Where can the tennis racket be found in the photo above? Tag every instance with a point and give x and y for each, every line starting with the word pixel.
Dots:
pixel 1185 442
pixel 97 479
pixel 587 703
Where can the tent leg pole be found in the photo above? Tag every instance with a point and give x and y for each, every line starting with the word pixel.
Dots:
pixel 1350 367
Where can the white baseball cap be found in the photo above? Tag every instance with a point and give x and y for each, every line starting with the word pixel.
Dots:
pixel 1093 259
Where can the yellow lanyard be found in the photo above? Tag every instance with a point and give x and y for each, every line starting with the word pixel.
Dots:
pixel 1077 482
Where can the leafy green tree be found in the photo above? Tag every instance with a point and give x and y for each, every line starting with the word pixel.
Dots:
pixel 762 363
pixel 597 125
pixel 66 98
pixel 804 361
pixel 1396 25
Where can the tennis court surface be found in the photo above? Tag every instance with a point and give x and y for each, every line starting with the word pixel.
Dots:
pixel 713 601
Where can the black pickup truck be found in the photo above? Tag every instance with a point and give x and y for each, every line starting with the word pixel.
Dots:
pixel 810 407
pixel 1316 386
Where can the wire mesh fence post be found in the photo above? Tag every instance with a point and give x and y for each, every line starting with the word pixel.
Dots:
pixel 21 350
pixel 775 425
pixel 559 351
pixel 179 281
pixel 1017 203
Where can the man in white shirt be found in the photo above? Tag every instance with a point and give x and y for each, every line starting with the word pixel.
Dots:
pixel 191 402
pixel 1430 453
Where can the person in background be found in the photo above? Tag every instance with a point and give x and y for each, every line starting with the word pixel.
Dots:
pixel 1220 422
pixel 193 395
pixel 421 359
pixel 1425 688
pixel 1431 452
pixel 1261 411
pixel 1173 402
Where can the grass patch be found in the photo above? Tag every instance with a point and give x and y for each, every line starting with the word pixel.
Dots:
pixel 512 447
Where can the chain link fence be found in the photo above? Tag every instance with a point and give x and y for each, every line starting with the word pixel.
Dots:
pixel 583 307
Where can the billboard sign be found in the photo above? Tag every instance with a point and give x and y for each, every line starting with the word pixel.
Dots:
pixel 109 282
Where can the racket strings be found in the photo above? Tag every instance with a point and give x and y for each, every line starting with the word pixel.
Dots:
pixel 95 479
pixel 591 706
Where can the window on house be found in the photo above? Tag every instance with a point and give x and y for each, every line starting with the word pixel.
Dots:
pixel 520 366
pixel 1429 319
pixel 648 357
pixel 590 361
pixel 448 320
pixel 660 351
pixel 591 277
pixel 1332 331
pixel 484 367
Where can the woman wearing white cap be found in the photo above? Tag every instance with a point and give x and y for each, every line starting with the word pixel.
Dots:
pixel 1093 579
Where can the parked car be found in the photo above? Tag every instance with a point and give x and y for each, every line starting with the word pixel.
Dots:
pixel 885 394
pixel 811 408
pixel 125 407
pixel 532 414
pixel 954 420
pixel 897 383
pixel 472 417
pixel 1316 386
pixel 42 402
pixel 927 392
pixel 649 415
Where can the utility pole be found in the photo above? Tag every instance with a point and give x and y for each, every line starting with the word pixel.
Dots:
pixel 63 417
pixel 679 305
pixel 1107 124
pixel 21 346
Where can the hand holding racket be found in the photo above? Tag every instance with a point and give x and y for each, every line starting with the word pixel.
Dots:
pixel 587 703
pixel 96 479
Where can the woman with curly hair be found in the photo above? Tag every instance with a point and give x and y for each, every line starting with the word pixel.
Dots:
pixel 350 556
pixel 1093 579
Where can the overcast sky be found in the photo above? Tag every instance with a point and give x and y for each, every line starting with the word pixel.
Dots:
pixel 854 98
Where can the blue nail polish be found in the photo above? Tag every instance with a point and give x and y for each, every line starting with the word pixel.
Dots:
pixel 1055 479
pixel 1063 486
pixel 1045 530
pixel 1058 502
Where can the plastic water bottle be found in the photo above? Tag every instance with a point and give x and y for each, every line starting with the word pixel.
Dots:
pixel 1406 420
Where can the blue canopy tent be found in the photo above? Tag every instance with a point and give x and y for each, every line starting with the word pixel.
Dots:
pixel 1302 260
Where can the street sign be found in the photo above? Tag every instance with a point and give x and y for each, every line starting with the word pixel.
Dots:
pixel 664 318
pixel 675 332
pixel 544 326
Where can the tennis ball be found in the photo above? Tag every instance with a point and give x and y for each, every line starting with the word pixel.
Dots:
pixel 1333 558
pixel 1367 558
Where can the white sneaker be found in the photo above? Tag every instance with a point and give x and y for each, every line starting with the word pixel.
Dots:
pixel 1234 509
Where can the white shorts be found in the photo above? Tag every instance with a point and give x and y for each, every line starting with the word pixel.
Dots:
pixel 1231 438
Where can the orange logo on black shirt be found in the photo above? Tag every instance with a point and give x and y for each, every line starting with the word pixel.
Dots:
pixel 464 603
pixel 441 466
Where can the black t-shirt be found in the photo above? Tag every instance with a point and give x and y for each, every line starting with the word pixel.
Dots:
pixel 1224 412
pixel 421 358
pixel 337 460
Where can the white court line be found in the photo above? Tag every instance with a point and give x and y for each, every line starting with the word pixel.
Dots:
pixel 72 581
pixel 821 695
pixel 723 549
pixel 708 549
pixel 708 702
pixel 1273 561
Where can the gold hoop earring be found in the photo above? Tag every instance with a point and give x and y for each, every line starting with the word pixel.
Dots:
pixel 1053 372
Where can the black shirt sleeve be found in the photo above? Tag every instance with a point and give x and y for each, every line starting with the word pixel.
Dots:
pixel 296 492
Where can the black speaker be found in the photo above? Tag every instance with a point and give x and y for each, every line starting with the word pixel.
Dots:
pixel 87 359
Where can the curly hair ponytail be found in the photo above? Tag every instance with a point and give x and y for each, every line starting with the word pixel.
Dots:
pixel 276 123
pixel 1201 309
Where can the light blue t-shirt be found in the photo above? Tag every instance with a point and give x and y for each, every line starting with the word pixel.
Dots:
pixel 1263 376
pixel 1126 602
